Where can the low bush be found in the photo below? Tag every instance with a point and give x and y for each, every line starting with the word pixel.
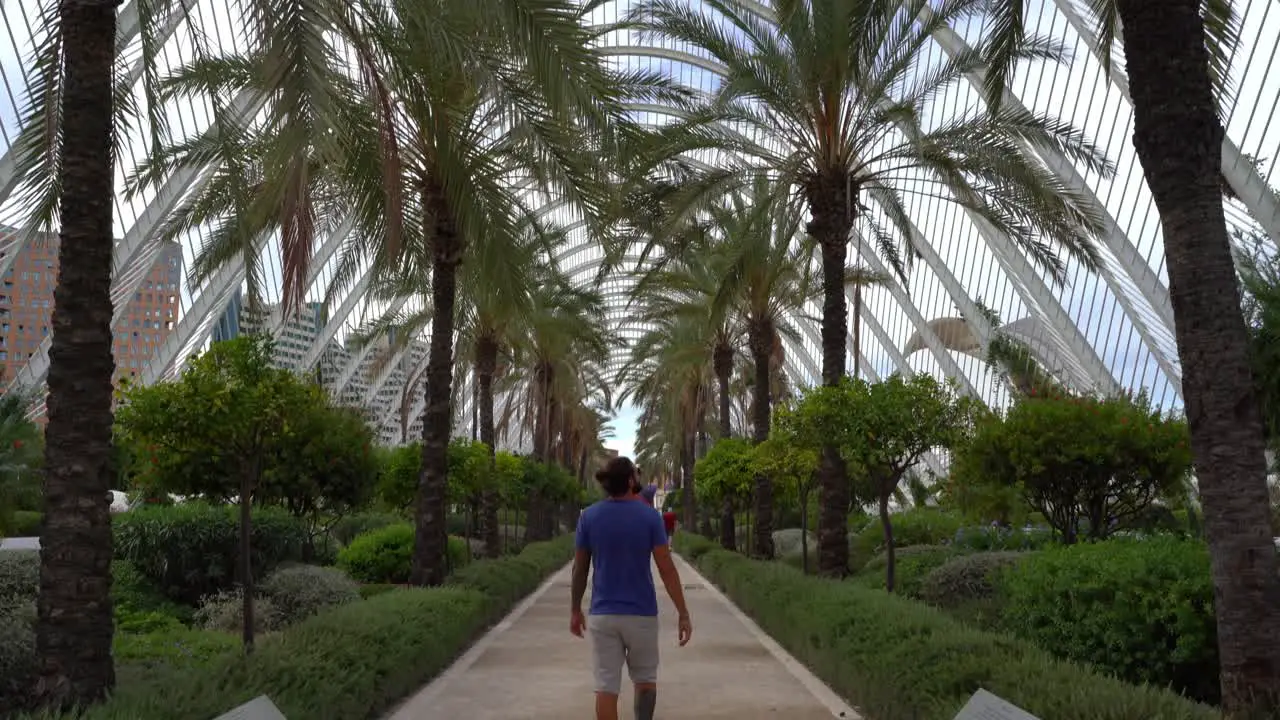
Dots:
pixel 191 550
pixel 380 556
pixel 386 555
pixel 224 611
pixel 352 526
pixel 17 653
pixel 897 659
pixel 914 562
pixel 353 661
pixel 134 594
pixel 1140 608
pixel 984 538
pixel 965 587
pixel 26 523
pixel 301 591
pixel 917 526
pixel 173 647
pixel 19 577
pixel 966 578
pixel 375 589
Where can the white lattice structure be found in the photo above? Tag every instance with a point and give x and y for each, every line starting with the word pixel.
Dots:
pixel 1103 331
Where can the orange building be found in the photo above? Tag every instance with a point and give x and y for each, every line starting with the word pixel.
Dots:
pixel 26 307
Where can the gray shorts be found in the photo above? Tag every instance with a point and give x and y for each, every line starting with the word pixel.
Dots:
pixel 618 639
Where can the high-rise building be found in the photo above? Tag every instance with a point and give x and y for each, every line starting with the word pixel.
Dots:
pixel 26 305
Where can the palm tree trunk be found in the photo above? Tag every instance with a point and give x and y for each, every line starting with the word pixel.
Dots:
pixel 74 627
pixel 761 339
pixel 431 538
pixel 1178 139
pixel 722 360
pixel 829 224
pixel 486 364
pixel 688 506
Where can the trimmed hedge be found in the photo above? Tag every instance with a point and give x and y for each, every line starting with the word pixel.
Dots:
pixel 1141 608
pixel 192 550
pixel 897 659
pixel 351 662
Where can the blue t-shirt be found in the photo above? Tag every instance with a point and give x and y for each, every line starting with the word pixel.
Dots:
pixel 621 536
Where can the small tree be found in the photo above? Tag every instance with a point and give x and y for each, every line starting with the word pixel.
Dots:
pixel 469 475
pixel 216 427
pixel 883 431
pixel 398 476
pixel 1076 460
pixel 793 467
pixel 725 476
pixel 21 456
pixel 323 464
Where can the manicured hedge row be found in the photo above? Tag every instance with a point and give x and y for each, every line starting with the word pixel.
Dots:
pixel 355 661
pixel 898 659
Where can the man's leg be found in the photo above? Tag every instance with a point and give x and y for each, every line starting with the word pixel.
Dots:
pixel 608 653
pixel 641 636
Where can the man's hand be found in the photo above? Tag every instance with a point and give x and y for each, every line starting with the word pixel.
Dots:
pixel 686 629
pixel 578 622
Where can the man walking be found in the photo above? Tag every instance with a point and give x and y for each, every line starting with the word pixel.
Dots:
pixel 616 537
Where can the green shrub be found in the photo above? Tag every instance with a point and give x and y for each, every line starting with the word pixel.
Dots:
pixel 983 538
pixel 376 589
pixel 17 653
pixel 134 594
pixel 897 659
pixel 301 591
pixel 26 523
pixel 966 578
pixel 386 555
pixel 353 661
pixel 965 587
pixel 917 526
pixel 191 550
pixel 380 556
pixel 224 611
pixel 914 562
pixel 352 526
pixel 19 577
pixel 174 647
pixel 1142 609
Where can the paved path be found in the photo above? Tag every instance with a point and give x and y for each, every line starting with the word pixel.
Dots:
pixel 530 668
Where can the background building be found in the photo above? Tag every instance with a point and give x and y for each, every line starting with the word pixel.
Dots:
pixel 26 304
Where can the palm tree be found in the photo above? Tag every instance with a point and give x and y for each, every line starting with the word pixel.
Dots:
pixel 65 161
pixel 496 306
pixel 839 119
pixel 668 374
pixel 1177 57
pixel 566 344
pixel 764 278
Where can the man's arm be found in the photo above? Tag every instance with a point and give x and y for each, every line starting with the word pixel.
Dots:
pixel 670 578
pixel 581 566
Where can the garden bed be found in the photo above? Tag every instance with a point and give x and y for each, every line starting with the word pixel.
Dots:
pixel 352 662
pixel 898 659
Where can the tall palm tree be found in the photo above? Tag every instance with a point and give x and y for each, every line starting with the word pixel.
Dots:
pixel 496 307
pixel 65 163
pixel 567 343
pixel 829 99
pixel 668 374
pixel 1177 57
pixel 765 279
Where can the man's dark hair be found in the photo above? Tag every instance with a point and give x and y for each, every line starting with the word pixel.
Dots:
pixel 616 476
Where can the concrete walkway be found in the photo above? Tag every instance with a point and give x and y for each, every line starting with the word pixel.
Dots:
pixel 530 668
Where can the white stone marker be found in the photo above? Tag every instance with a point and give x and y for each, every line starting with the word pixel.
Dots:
pixel 259 708
pixel 985 706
